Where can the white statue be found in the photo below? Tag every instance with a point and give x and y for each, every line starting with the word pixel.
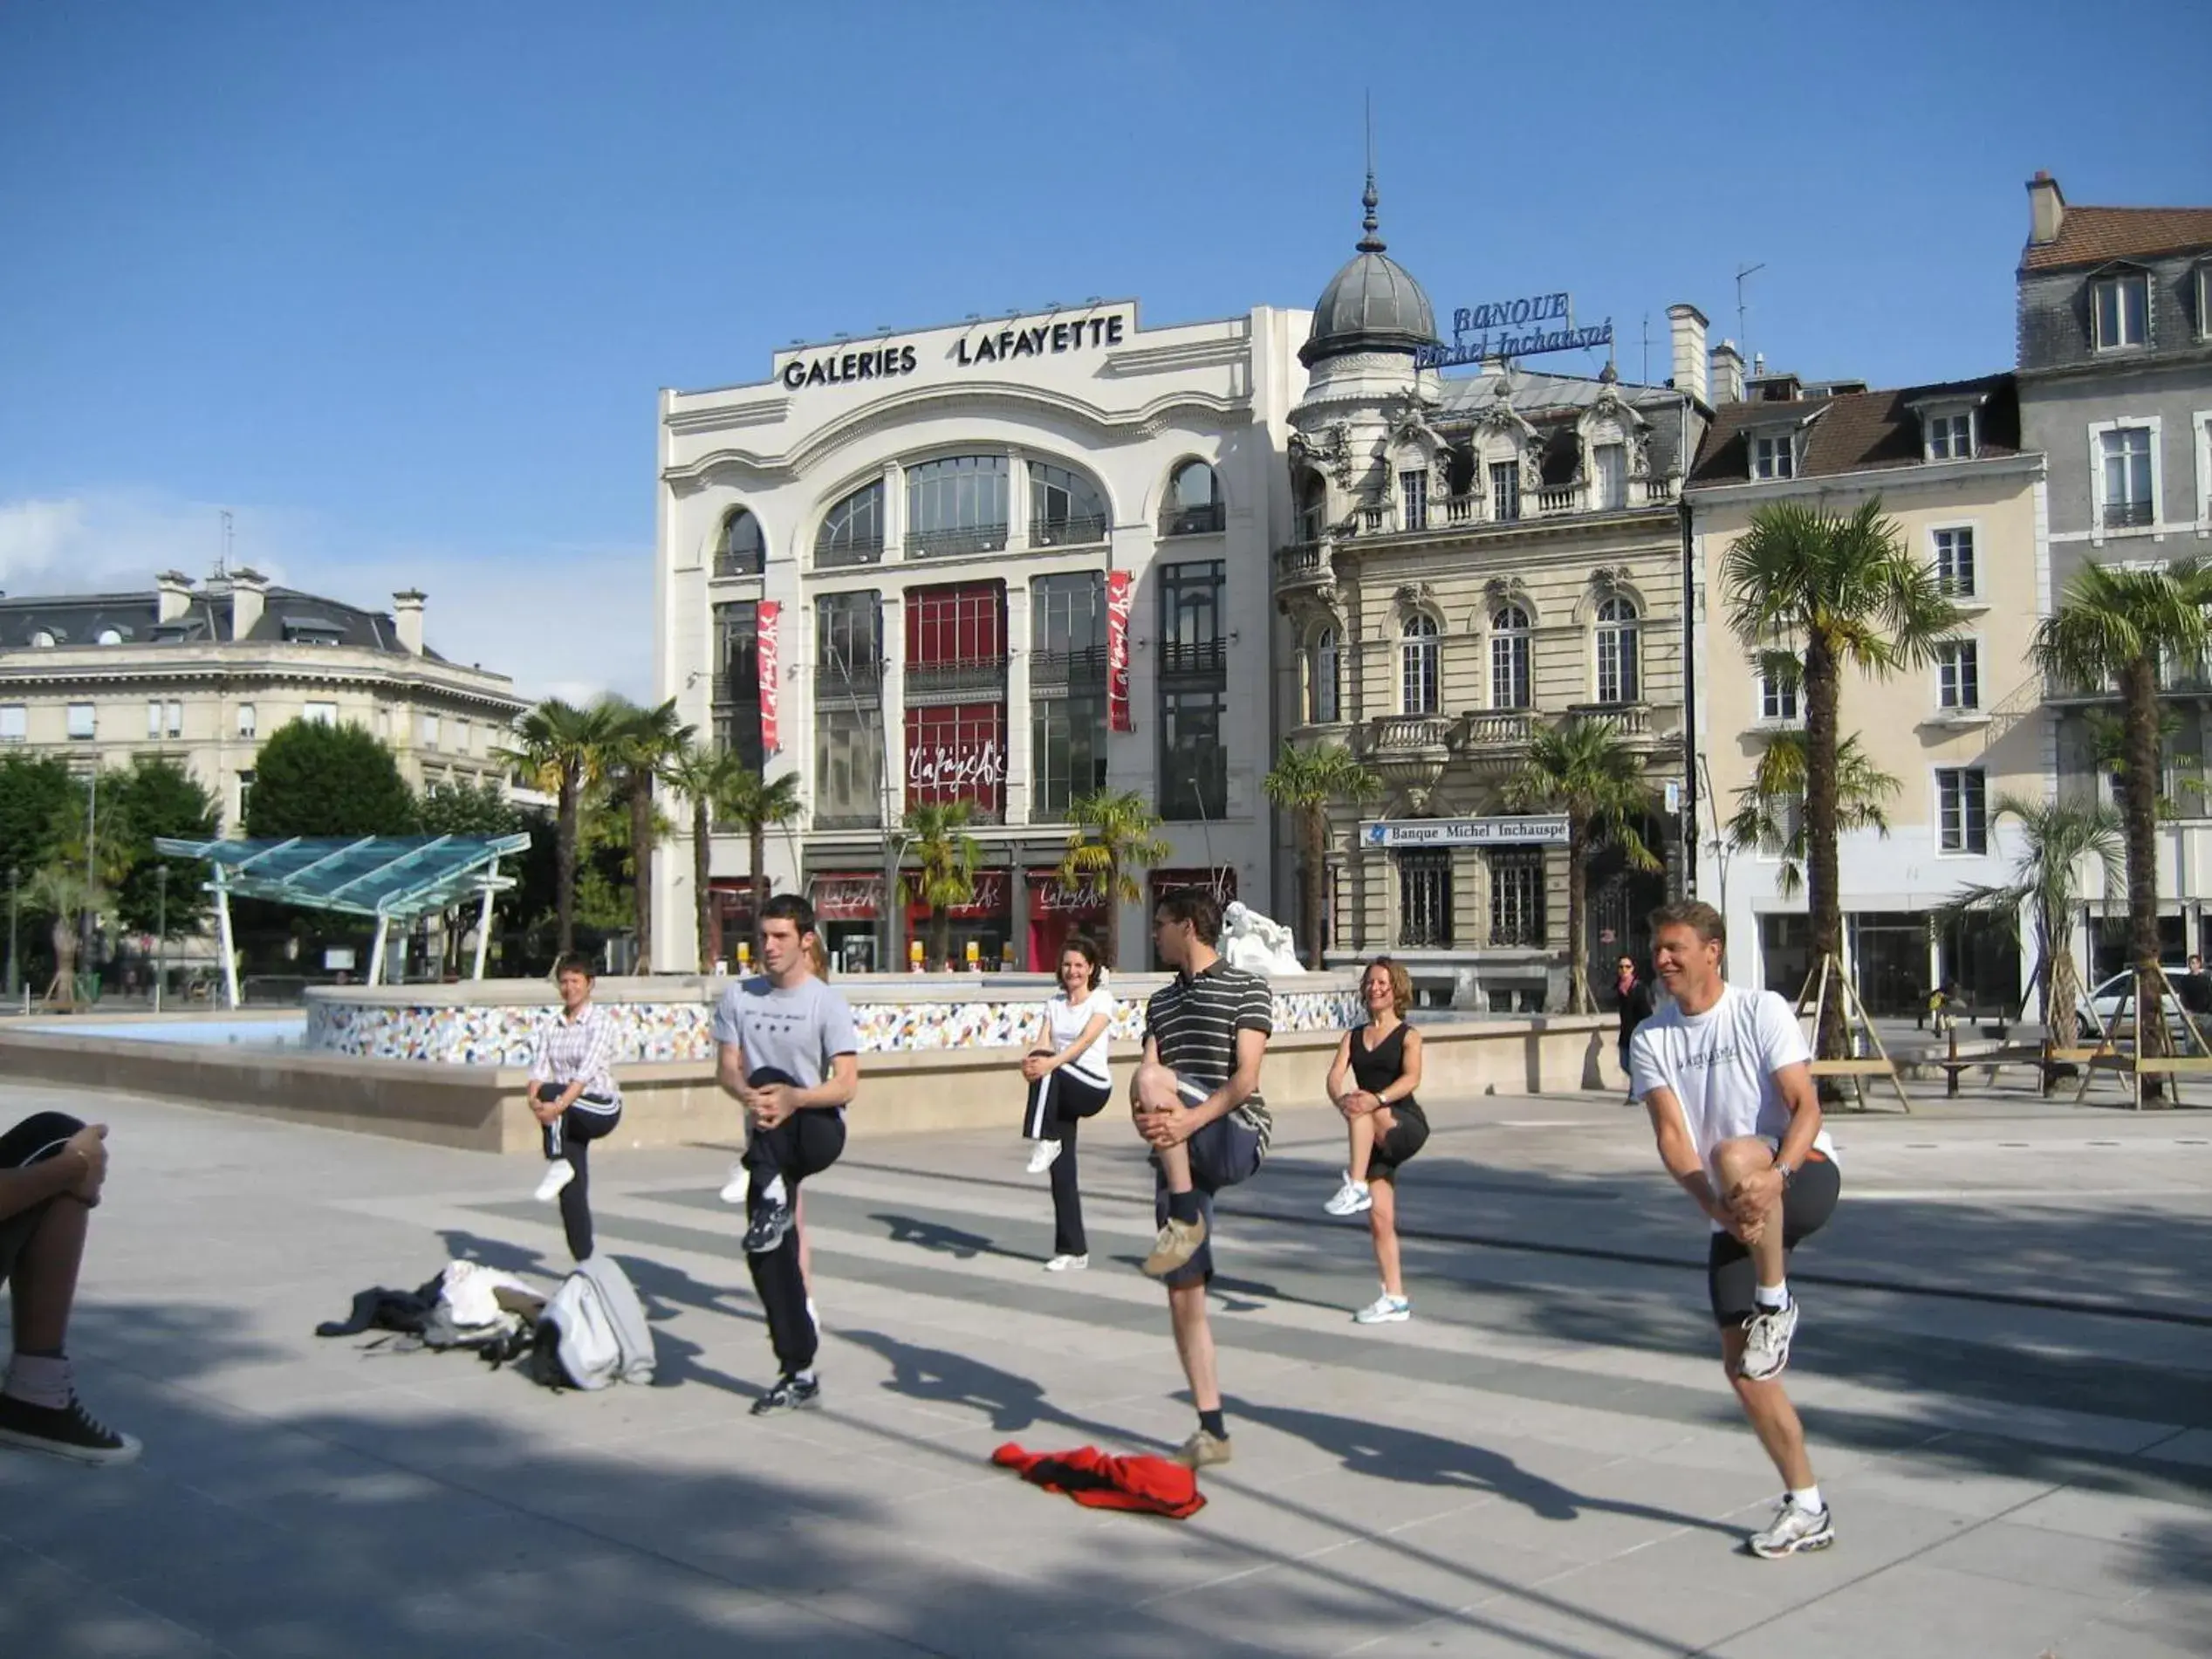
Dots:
pixel 1253 942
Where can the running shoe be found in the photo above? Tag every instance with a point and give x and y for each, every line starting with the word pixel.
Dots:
pixel 733 1189
pixel 1766 1342
pixel 1793 1529
pixel 1041 1156
pixel 1067 1264
pixel 789 1395
pixel 769 1226
pixel 1203 1450
pixel 1385 1309
pixel 1177 1243
pixel 65 1431
pixel 558 1173
pixel 1351 1199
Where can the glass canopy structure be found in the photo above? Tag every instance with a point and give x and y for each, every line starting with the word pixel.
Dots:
pixel 389 878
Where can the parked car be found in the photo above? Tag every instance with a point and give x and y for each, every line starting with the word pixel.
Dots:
pixel 2101 1006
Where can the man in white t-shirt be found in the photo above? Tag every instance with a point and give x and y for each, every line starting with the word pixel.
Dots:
pixel 1726 1076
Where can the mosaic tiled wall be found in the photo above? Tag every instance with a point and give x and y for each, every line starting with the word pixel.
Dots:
pixel 682 1030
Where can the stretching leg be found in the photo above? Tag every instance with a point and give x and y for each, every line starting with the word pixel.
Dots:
pixel 1382 1226
pixel 576 1200
pixel 1365 1128
pixel 1157 1092
pixel 1737 1160
pixel 1194 1345
pixel 1771 1416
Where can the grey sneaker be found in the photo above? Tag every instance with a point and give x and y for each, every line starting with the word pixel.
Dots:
pixel 1177 1243
pixel 1203 1450
pixel 1793 1529
pixel 1766 1342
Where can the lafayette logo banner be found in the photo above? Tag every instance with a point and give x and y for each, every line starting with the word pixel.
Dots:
pixel 769 612
pixel 1118 597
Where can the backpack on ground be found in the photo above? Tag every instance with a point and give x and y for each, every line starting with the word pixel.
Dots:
pixel 594 1330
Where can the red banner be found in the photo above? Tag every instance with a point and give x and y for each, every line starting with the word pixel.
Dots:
pixel 846 898
pixel 769 613
pixel 1048 895
pixel 1118 597
pixel 957 751
pixel 988 900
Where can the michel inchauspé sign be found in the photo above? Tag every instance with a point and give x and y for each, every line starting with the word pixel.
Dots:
pixel 1523 327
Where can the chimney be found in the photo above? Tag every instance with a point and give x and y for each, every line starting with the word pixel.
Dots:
pixel 173 595
pixel 407 620
pixel 1688 325
pixel 249 590
pixel 1727 373
pixel 2046 210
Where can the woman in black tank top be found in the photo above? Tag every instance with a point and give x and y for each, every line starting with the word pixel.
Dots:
pixel 1377 1069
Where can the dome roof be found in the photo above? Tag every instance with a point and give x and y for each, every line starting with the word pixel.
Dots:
pixel 1374 303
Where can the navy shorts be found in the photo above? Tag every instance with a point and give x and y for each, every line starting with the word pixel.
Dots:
pixel 1731 1275
pixel 1223 1153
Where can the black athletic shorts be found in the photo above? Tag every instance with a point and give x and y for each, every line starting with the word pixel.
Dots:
pixel 33 1140
pixel 1731 1276
pixel 1407 1136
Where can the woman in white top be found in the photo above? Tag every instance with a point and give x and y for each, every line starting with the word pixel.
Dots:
pixel 1068 1081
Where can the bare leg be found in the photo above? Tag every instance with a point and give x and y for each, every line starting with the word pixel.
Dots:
pixel 45 1284
pixel 1194 1345
pixel 1771 1416
pixel 1383 1225
pixel 1737 1160
pixel 1365 1129
pixel 1156 1092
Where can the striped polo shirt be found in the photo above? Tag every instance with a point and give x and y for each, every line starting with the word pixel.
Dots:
pixel 1194 1021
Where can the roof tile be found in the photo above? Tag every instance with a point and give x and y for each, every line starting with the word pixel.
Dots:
pixel 2091 235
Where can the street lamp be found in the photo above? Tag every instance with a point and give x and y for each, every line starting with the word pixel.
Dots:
pixel 15 965
pixel 92 861
pixel 160 930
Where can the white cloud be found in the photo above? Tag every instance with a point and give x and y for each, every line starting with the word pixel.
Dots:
pixel 565 621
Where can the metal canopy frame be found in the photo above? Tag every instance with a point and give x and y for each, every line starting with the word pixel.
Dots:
pixel 389 878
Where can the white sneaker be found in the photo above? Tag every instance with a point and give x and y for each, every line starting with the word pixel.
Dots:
pixel 1352 1198
pixel 1766 1342
pixel 1067 1264
pixel 733 1190
pixel 1385 1309
pixel 1041 1156
pixel 558 1173
pixel 1793 1529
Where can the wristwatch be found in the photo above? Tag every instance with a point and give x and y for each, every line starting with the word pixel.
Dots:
pixel 1787 1172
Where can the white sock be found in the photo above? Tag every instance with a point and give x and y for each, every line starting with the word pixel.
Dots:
pixel 1774 1296
pixel 1808 1499
pixel 39 1380
pixel 807 1375
pixel 773 1192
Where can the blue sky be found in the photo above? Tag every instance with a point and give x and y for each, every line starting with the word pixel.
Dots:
pixel 398 283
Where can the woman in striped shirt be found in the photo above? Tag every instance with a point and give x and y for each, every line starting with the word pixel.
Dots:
pixel 572 1094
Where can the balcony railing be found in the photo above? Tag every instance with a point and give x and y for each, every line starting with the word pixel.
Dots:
pixel 867 550
pixel 1194 656
pixel 1495 728
pixel 1057 673
pixel 1551 500
pixel 1307 563
pixel 728 564
pixel 868 819
pixel 1400 734
pixel 2125 515
pixel 1194 521
pixel 1067 532
pixel 848 682
pixel 1657 491
pixel 965 542
pixel 967 680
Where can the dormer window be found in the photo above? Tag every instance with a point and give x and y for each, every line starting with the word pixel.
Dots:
pixel 2204 299
pixel 2119 310
pixel 1950 438
pixel 44 640
pixel 1775 456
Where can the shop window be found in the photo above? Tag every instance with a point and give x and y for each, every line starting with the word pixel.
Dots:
pixel 1425 901
pixel 1517 897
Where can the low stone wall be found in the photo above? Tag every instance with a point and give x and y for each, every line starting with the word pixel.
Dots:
pixel 665 1103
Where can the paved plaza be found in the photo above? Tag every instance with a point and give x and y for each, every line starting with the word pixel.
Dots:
pixel 2005 1366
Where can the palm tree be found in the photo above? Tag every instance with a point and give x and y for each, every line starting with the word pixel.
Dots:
pixel 2054 838
pixel 564 749
pixel 62 892
pixel 1770 810
pixel 646 743
pixel 1582 768
pixel 704 777
pixel 937 836
pixel 1111 834
pixel 756 805
pixel 2119 624
pixel 1305 783
pixel 1844 592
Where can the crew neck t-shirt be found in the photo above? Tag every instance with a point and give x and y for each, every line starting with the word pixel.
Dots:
pixel 1721 1065
pixel 1193 1019
pixel 1064 1023
pixel 796 1030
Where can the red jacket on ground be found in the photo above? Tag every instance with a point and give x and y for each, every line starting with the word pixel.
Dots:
pixel 1152 1485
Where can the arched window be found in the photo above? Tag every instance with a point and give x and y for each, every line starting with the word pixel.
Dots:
pixel 1419 690
pixel 109 636
pixel 956 506
pixel 1065 508
pixel 44 640
pixel 852 534
pixel 1194 505
pixel 1619 664
pixel 741 549
pixel 1509 632
pixel 1313 499
pixel 1323 690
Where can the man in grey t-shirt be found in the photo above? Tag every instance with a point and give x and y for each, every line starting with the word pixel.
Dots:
pixel 787 1052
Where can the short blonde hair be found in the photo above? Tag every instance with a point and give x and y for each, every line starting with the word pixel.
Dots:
pixel 1402 983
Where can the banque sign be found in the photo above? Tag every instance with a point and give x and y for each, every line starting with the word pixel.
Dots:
pixel 975 347
pixel 1523 327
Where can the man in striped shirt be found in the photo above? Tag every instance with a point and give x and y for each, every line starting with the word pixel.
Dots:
pixel 1196 1100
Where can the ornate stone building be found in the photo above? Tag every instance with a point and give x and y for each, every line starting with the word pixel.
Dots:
pixel 1474 557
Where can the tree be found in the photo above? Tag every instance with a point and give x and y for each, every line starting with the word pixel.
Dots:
pixel 153 796
pixel 755 805
pixel 645 746
pixel 33 791
pixel 2118 625
pixel 61 895
pixel 1305 783
pixel 316 779
pixel 2055 839
pixel 564 750
pixel 937 836
pixel 1111 834
pixel 469 809
pixel 1583 769
pixel 1841 593
pixel 1770 810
